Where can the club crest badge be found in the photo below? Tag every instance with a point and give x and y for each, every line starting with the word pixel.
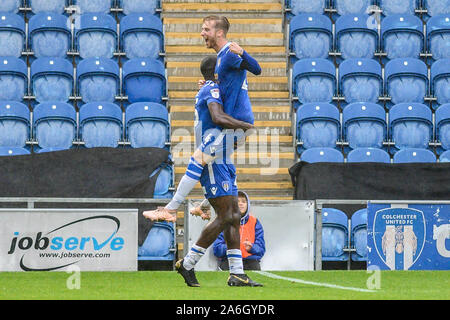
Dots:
pixel 226 186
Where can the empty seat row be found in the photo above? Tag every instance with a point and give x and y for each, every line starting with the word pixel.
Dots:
pixel 337 245
pixel 367 125
pixel 95 35
pixel 357 36
pixel 57 125
pixel 97 79
pixel 83 6
pixel 388 7
pixel 403 80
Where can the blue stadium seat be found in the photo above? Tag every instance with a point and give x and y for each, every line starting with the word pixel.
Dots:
pixel 414 155
pixel 164 182
pixel 10 6
pixel 96 35
pixel 354 38
pixel 438 36
pixel 50 35
pixel 436 7
pixel 402 36
pixel 359 235
pixel 14 124
pixel 160 243
pixel 368 155
pixel 310 36
pixel 440 80
pixel 406 80
pixel 13 151
pixel 139 75
pixel 100 124
pixel 54 125
pixel 391 7
pixel 314 80
pixel 364 125
pixel 442 120
pixel 52 79
pixel 314 155
pixel 334 235
pixel 306 6
pixel 445 156
pixel 93 6
pixel 318 126
pixel 360 80
pixel 12 35
pixel 13 79
pixel 55 6
pixel 141 36
pixel 139 6
pixel 410 125
pixel 98 79
pixel 352 6
pixel 147 125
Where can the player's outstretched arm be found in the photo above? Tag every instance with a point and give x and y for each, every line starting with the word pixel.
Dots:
pixel 224 120
pixel 248 62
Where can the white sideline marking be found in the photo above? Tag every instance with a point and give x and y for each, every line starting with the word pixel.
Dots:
pixel 329 285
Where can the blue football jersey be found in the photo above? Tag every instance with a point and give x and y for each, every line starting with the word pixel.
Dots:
pixel 203 122
pixel 233 85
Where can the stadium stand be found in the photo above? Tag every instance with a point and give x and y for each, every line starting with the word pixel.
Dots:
pixel 438 36
pixel 15 127
pixel 54 126
pixel 368 155
pixel 364 125
pixel 52 79
pixel 147 125
pixel 414 155
pixel 100 124
pixel 334 235
pixel 49 35
pixel 410 126
pixel 12 35
pixel 313 155
pixel 359 235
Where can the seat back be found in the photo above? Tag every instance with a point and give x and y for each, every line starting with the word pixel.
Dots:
pixel 414 155
pixel 438 36
pixel 164 182
pixel 344 7
pixel 410 125
pixel 10 6
pixel 314 155
pixel 436 7
pixel 55 6
pixel 98 79
pixel 93 6
pixel 355 37
pixel 364 125
pixel 54 125
pixel 100 124
pixel 391 7
pixel 314 80
pixel 360 80
pixel 310 36
pixel 406 80
pixel 368 155
pixel 443 126
pixel 306 6
pixel 440 81
pixel 50 35
pixel 160 242
pixel 334 235
pixel 96 35
pixel 147 125
pixel 359 235
pixel 318 125
pixel 13 79
pixel 142 35
pixel 13 151
pixel 12 35
pixel 14 124
pixel 445 156
pixel 139 6
pixel 52 79
pixel 401 36
pixel 140 74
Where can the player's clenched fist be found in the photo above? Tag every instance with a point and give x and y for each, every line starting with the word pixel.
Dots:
pixel 235 48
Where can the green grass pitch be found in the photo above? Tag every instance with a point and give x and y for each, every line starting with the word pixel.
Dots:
pixel 166 285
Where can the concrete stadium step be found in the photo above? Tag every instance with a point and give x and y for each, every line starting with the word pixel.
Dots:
pixel 264 95
pixel 236 7
pixel 279 51
pixel 242 38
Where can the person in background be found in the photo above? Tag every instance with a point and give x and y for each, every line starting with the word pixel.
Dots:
pixel 253 246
